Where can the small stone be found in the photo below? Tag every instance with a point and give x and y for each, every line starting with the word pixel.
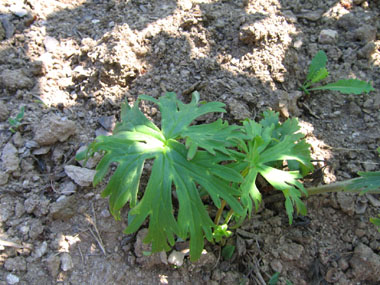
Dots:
pixel 346 202
pixel 15 79
pixel 368 50
pixel 291 251
pixel 18 10
pixel 311 15
pixel 276 265
pixel 6 209
pixel 64 208
pixel 107 122
pixel 41 151
pixel 81 176
pixel 36 228
pixel 41 250
pixel 328 36
pixel 53 263
pixel 66 262
pixel 17 263
pixel 239 109
pixel 102 132
pixel 7 25
pixel 343 264
pixel 18 140
pixel 4 113
pixel 12 279
pixel 10 158
pixel 51 44
pixel 3 178
pixel 68 188
pixel 365 264
pixel 52 129
pixel 176 258
pixel 365 33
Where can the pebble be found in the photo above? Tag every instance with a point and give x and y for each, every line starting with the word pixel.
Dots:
pixel 18 10
pixel 53 129
pixel 12 279
pixel 7 26
pixel 81 176
pixel 346 202
pixel 239 109
pixel 53 263
pixel 107 122
pixel 64 208
pixel 3 178
pixel 66 262
pixel 41 250
pixel 365 264
pixel 15 79
pixel 328 36
pixel 10 158
pixel 4 113
pixel 311 15
pixel 17 263
pixel 291 251
pixel 67 188
pixel 368 50
pixel 51 44
pixel 176 258
pixel 365 33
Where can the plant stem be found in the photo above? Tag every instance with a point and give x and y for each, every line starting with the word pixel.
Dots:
pixel 219 212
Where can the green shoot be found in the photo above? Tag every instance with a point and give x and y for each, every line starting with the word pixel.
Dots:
pixel 318 72
pixel 16 121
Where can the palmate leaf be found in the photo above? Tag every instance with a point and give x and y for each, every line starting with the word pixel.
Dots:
pixel 137 139
pixel 347 86
pixel 270 144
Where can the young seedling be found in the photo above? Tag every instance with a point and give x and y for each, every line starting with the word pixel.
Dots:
pixel 16 121
pixel 318 72
pixel 218 159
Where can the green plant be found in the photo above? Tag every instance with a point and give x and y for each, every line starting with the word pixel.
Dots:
pixel 318 72
pixel 16 121
pixel 216 160
pixel 197 167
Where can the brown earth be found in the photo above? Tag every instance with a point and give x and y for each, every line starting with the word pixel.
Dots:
pixel 72 63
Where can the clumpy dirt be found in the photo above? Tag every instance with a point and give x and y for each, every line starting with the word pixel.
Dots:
pixel 72 63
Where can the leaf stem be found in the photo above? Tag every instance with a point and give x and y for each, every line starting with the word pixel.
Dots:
pixel 219 212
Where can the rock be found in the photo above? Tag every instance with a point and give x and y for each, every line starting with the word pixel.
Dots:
pixel 15 79
pixel 239 109
pixel 10 158
pixel 39 206
pixel 107 122
pixel 102 132
pixel 66 262
pixel 368 50
pixel 346 202
pixel 67 188
pixel 6 209
pixel 276 265
pixel 17 140
pixel 53 263
pixel 51 44
pixel 328 37
pixel 3 178
pixel 36 228
pixel 176 258
pixel 17 263
pixel 41 250
pixel 142 251
pixel 18 10
pixel 4 113
pixel 311 15
pixel 365 33
pixel 291 251
pixel 287 103
pixel 365 264
pixel 53 129
pixel 64 208
pixel 42 150
pixel 12 279
pixel 7 26
pixel 81 176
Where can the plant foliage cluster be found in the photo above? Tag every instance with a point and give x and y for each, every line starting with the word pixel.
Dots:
pixel 195 167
